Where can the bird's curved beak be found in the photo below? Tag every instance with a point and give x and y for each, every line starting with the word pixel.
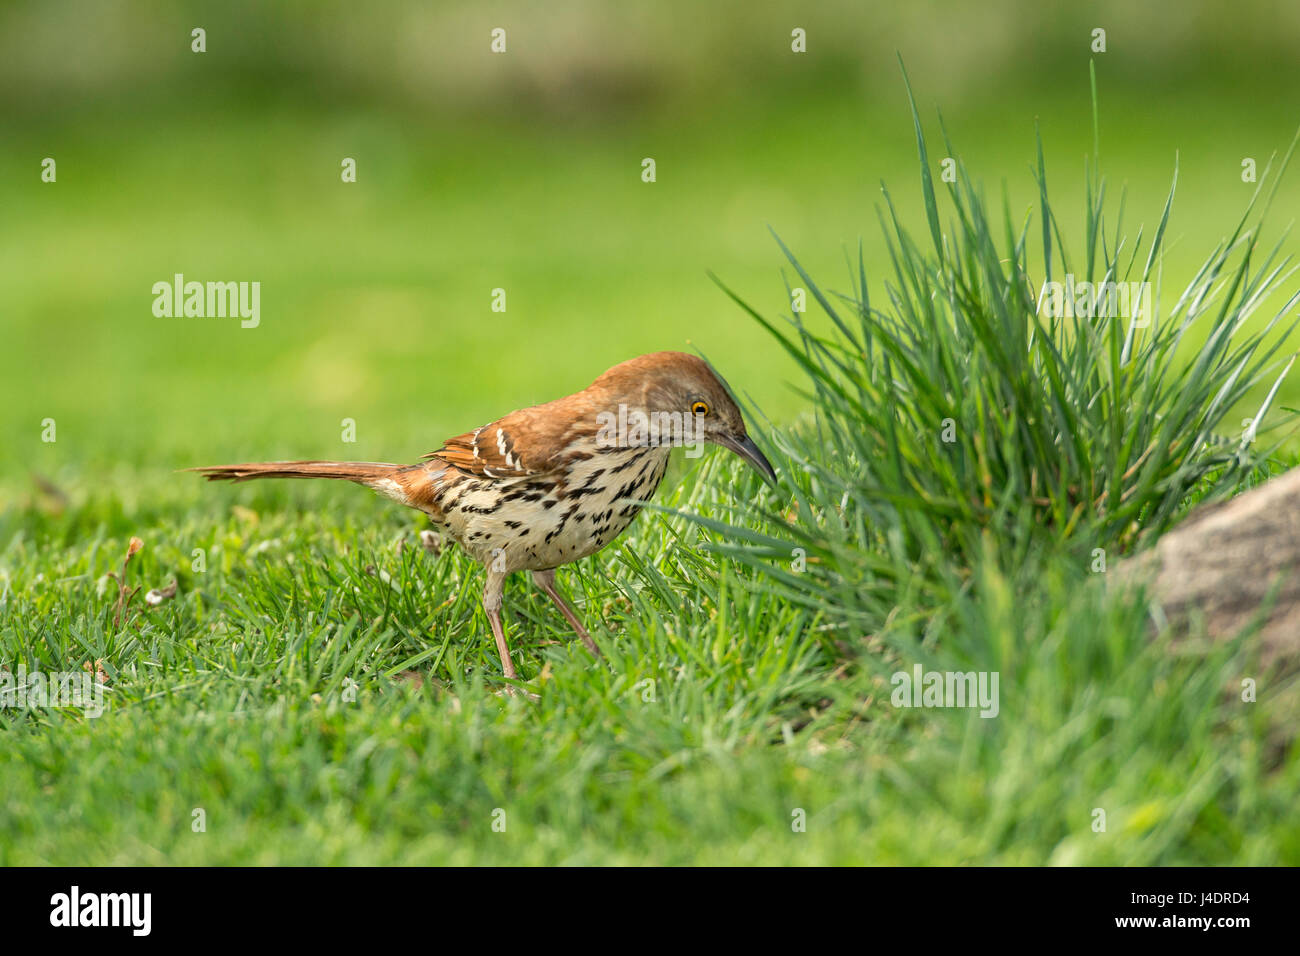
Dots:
pixel 746 449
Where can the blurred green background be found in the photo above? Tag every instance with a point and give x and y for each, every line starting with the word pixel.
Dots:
pixel 522 171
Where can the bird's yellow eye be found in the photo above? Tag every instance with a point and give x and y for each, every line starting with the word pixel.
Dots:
pixel 699 408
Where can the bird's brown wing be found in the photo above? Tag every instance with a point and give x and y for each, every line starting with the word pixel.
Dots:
pixel 503 449
pixel 488 452
pixel 533 441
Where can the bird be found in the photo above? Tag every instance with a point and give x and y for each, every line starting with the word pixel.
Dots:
pixel 551 484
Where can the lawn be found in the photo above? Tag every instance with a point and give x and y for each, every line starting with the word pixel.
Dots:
pixel 323 689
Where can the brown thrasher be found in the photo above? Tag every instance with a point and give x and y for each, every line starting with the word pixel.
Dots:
pixel 552 483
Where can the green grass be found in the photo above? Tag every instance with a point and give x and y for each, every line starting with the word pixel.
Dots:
pixel 326 691
pixel 965 409
pixel 230 698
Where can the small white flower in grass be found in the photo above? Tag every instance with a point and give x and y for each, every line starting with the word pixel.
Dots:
pixel 157 595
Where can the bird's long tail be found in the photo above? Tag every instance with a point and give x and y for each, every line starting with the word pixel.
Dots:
pixel 377 475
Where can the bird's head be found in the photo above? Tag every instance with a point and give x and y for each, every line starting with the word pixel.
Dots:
pixel 682 401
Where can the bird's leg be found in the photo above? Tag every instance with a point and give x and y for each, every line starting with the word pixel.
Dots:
pixel 496 582
pixel 546 581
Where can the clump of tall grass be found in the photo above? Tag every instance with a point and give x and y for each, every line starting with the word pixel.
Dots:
pixel 960 418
